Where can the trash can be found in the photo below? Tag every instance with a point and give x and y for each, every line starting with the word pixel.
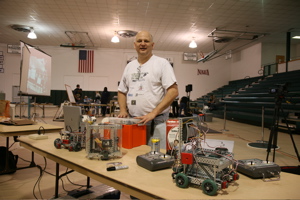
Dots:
pixel 208 117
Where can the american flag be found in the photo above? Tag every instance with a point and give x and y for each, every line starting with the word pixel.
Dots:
pixel 86 61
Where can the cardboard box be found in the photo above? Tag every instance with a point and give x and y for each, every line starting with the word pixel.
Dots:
pixel 171 133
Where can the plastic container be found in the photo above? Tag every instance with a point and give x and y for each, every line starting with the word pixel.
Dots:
pixel 208 117
pixel 133 134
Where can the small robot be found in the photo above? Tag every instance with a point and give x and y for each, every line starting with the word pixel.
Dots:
pixel 211 169
pixel 74 140
pixel 71 141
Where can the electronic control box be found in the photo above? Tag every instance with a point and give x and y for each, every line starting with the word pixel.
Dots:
pixel 256 168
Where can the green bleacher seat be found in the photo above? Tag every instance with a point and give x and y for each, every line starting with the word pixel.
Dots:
pixel 245 98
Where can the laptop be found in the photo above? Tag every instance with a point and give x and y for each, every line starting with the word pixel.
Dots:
pixel 72 118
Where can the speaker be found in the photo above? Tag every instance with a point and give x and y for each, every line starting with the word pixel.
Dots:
pixel 189 88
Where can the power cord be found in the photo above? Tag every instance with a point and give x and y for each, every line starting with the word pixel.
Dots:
pixel 39 179
pixel 74 183
pixel 42 172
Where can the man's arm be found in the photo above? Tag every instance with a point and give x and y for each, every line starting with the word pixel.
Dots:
pixel 172 93
pixel 122 104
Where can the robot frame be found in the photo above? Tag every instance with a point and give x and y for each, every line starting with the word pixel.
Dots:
pixel 211 169
pixel 104 141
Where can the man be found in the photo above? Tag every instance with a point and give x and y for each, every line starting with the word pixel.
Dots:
pixel 78 94
pixel 87 100
pixel 175 107
pixel 105 96
pixel 183 106
pixel 147 88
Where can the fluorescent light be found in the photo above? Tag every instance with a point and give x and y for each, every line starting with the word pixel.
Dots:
pixel 296 37
pixel 31 35
pixel 193 44
pixel 115 39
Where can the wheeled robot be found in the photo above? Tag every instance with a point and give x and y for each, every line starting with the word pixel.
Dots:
pixel 211 169
pixel 71 141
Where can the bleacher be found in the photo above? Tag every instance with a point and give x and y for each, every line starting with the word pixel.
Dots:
pixel 226 90
pixel 257 97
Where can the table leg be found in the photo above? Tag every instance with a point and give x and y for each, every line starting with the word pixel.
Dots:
pixel 6 169
pixel 43 111
pixel 32 163
pixel 56 180
pixel 87 182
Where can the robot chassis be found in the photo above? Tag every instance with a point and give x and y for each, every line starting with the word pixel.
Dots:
pixel 210 169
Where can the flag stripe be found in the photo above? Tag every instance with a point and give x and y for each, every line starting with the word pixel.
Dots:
pixel 86 61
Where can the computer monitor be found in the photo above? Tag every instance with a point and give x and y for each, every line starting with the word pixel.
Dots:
pixel 72 118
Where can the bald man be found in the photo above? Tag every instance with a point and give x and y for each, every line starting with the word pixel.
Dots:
pixel 147 88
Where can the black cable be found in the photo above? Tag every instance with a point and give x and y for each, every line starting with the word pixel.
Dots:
pixel 42 171
pixel 39 131
pixel 49 173
pixel 24 159
pixel 39 184
pixel 63 184
pixel 74 183
pixel 39 179
pixel 43 174
pixel 11 145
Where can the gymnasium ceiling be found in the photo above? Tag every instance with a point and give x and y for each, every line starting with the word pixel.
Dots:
pixel 214 24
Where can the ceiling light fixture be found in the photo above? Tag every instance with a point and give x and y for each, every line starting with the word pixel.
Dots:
pixel 126 33
pixel 296 37
pixel 31 35
pixel 193 44
pixel 115 39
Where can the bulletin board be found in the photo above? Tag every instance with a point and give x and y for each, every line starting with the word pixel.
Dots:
pixel 70 94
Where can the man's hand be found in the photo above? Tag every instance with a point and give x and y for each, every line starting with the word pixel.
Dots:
pixel 123 114
pixel 146 118
pixel 122 103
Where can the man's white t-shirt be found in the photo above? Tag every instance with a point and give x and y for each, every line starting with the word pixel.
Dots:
pixel 146 85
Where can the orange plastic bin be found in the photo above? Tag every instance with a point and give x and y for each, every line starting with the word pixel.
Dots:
pixel 133 136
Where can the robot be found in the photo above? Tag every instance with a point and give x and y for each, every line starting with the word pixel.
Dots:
pixel 71 141
pixel 104 141
pixel 74 141
pixel 211 169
